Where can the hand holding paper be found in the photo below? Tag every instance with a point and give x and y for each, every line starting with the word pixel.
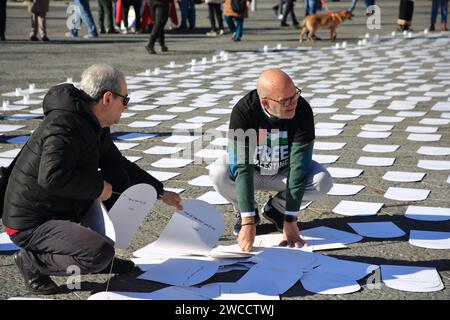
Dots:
pixel 246 236
pixel 172 199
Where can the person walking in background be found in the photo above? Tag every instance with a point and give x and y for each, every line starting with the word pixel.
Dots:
pixel 215 12
pixel 368 3
pixel 236 12
pixel 187 9
pixel 2 20
pixel 86 16
pixel 160 14
pixel 310 7
pixel 38 10
pixel 126 4
pixel 443 4
pixel 105 8
pixel 289 9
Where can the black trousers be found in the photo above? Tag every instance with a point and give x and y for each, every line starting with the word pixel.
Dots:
pixel 105 9
pixel 215 12
pixel 126 4
pixel 54 246
pixel 160 14
pixel 2 18
pixel 289 9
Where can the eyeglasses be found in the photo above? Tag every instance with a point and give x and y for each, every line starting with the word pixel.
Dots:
pixel 288 101
pixel 125 100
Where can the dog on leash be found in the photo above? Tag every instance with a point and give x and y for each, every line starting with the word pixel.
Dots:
pixel 311 23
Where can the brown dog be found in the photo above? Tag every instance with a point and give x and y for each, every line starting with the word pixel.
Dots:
pixel 311 23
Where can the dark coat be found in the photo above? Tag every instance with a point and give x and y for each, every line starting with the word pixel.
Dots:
pixel 56 176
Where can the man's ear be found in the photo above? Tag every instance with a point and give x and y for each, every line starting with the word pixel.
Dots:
pixel 106 99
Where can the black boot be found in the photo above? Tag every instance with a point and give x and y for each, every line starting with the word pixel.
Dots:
pixel 36 283
pixel 150 49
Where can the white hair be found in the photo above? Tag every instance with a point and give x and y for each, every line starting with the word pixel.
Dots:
pixel 98 78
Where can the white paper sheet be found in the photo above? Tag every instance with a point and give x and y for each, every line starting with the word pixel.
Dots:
pixel 327 132
pixel 380 148
pixel 10 127
pixel 412 279
pixel 201 181
pixel 434 151
pixel 143 124
pixel 325 235
pixel 171 163
pixel 430 239
pixel 424 137
pixel 329 145
pixel 328 283
pixel 377 127
pixel 403 176
pixel 375 161
pixel 181 109
pixel 161 150
pixel 377 229
pixel 210 153
pixel 421 129
pixel 344 172
pixel 406 194
pixel 213 197
pixel 339 189
pixel 350 269
pixel 427 213
pixel 181 272
pixel 136 136
pixel 186 126
pixel 434 164
pixel 178 138
pixel 357 208
pixel 163 175
pixel 161 117
pixel 373 135
pixel 314 243
pixel 129 211
pixel 325 158
pixel 199 119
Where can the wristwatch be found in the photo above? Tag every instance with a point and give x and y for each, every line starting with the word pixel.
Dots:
pixel 289 218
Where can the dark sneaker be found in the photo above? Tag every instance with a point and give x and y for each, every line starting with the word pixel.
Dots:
pixel 35 283
pixel 33 38
pixel 237 226
pixel 150 49
pixel 45 39
pixel 273 215
pixel 164 48
pixel 119 266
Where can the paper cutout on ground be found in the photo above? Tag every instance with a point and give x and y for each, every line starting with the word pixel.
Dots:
pixel 406 194
pixel 168 293
pixel 357 208
pixel 434 151
pixel 328 145
pixel 434 164
pixel 344 172
pixel 412 279
pixel 344 189
pixel 136 136
pixel 325 158
pixel 377 229
pixel 314 243
pixel 171 163
pixel 210 153
pixel 161 117
pixel 350 269
pixel 328 283
pixel 421 129
pixel 199 119
pixel 375 161
pixel 373 134
pixel 163 150
pixel 424 137
pixel 10 127
pixel 377 127
pixel 186 126
pixel 6 244
pixel 143 124
pixel 125 145
pixel 180 139
pixel 403 176
pixel 129 211
pixel 427 213
pixel 181 272
pixel 213 197
pixel 430 239
pixel 380 148
pixel 163 175
pixel 326 235
pixel 434 121
pixel 194 230
pixel 288 259
pixel 201 181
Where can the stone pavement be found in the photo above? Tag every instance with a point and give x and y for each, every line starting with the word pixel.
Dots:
pixel 396 69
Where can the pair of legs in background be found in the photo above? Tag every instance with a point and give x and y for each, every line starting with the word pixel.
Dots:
pixel 160 13
pixel 236 26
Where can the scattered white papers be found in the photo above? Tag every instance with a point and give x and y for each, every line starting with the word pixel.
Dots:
pixel 180 139
pixel 171 163
pixel 406 194
pixel 434 164
pixel 162 175
pixel 427 213
pixel 213 197
pixel 328 283
pixel 434 151
pixel 10 127
pixel 413 279
pixel 181 272
pixel 344 172
pixel 325 236
pixel 373 135
pixel 430 239
pixel 424 137
pixel 403 176
pixel 329 145
pixel 163 150
pixel 377 229
pixel 143 124
pixel 324 158
pixel 357 208
pixel 344 189
pixel 380 148
pixel 375 161
pixel 201 181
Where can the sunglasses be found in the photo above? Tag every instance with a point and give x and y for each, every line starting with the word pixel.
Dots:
pixel 288 101
pixel 125 99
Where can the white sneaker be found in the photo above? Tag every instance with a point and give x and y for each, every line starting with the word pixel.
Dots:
pixel 70 35
pixel 280 17
pixel 211 34
pixel 221 32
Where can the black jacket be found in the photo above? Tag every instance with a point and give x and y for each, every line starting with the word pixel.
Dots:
pixel 56 176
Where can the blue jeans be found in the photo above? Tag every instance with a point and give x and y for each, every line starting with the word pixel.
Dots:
pixel 237 28
pixel 368 3
pixel 187 8
pixel 434 10
pixel 310 7
pixel 86 16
